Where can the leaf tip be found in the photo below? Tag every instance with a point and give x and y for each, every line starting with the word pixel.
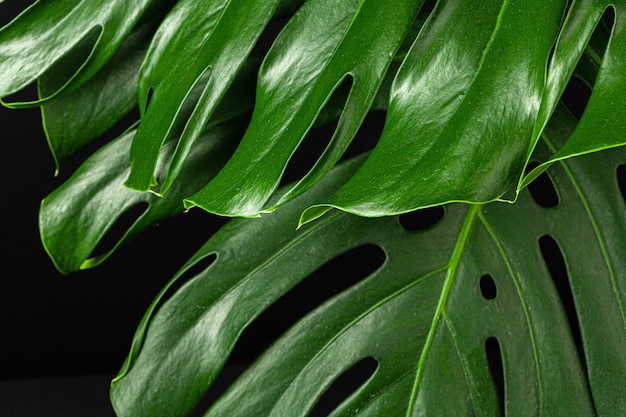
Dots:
pixel 313 213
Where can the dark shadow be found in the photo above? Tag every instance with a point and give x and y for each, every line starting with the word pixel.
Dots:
pixel 421 219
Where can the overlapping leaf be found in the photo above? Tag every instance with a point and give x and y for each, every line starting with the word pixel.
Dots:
pixel 73 120
pixel 421 315
pixel 200 43
pixel 325 43
pixel 461 112
pixel 69 40
pixel 76 216
pixel 596 130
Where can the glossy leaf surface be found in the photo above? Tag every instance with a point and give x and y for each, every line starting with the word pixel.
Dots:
pixel 61 35
pixel 74 120
pixel 319 48
pixel 200 43
pixel 422 315
pixel 88 204
pixel 596 130
pixel 461 112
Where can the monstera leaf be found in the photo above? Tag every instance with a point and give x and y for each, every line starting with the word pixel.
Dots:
pixel 427 316
pixel 468 315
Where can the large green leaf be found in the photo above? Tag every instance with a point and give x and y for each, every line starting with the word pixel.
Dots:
pixel 70 39
pixel 422 316
pixel 462 109
pixel 321 46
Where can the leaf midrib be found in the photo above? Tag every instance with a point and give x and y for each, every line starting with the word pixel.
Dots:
pixel 443 299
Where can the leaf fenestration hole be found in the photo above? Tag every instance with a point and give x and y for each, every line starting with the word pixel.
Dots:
pixel 542 189
pixel 226 377
pixel 496 368
pixel 576 96
pixel 367 136
pixel 421 219
pixel 555 262
pixel 608 18
pixel 621 180
pixel 271 31
pixel 317 139
pixel 346 384
pixel 488 287
pixel 327 281
pixel 119 228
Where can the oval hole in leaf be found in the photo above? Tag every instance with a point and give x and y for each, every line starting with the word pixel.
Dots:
pixel 367 135
pixel 229 373
pixel 555 262
pixel 345 385
pixel 488 287
pixel 496 368
pixel 421 219
pixel 315 142
pixel 330 279
pixel 621 180
pixel 115 232
pixel 542 189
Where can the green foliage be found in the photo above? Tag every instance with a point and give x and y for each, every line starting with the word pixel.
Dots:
pixel 472 95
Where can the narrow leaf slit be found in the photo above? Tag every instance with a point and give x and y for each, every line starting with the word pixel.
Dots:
pixel 327 281
pixel 542 189
pixel 576 96
pixel 421 219
pixel 555 262
pixel 367 136
pixel 318 138
pixel 496 368
pixel 350 381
